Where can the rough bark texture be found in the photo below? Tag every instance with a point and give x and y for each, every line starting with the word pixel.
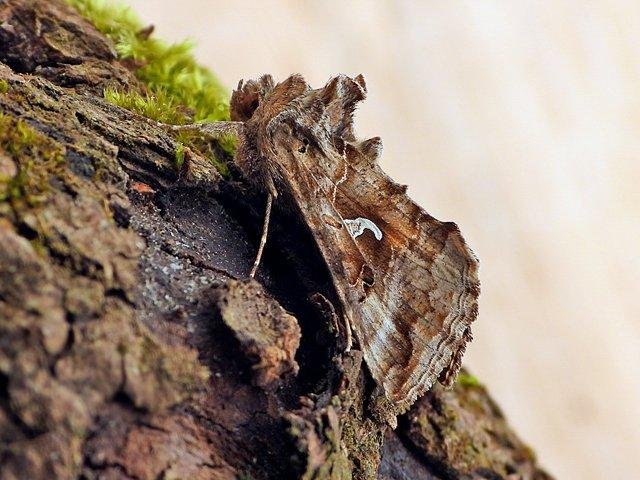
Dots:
pixel 125 350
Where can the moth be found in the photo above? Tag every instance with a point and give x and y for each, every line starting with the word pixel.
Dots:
pixel 407 283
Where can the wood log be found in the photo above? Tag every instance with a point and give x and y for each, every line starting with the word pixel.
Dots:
pixel 126 346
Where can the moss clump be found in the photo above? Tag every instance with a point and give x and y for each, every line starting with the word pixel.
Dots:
pixel 158 106
pixel 4 86
pixel 169 71
pixel 32 159
pixel 179 158
pixel 196 141
pixel 229 143
pixel 467 380
pixel 162 108
pixel 179 91
pixel 363 440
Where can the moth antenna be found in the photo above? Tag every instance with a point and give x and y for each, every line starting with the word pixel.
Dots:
pixel 211 129
pixel 263 238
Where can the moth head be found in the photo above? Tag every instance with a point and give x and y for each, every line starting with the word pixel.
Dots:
pixel 293 118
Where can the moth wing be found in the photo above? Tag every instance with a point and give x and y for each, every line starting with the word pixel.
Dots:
pixel 407 282
pixel 416 316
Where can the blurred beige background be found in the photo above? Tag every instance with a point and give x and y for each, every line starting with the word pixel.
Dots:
pixel 520 120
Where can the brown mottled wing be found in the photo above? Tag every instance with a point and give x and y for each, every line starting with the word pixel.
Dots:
pixel 417 315
pixel 407 282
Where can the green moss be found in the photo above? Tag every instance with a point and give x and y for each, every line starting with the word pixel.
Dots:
pixel 363 440
pixel 179 158
pixel 179 90
pixel 229 143
pixel 159 106
pixel 468 380
pixel 35 158
pixel 162 108
pixel 116 21
pixel 169 71
pixel 198 142
pixel 361 436
pixel 4 86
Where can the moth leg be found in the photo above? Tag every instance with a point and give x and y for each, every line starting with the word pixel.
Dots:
pixel 348 334
pixel 265 232
pixel 212 129
pixel 346 331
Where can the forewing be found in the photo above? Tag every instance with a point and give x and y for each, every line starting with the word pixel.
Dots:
pixel 416 317
pixel 407 282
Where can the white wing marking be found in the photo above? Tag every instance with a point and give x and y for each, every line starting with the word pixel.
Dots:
pixel 357 227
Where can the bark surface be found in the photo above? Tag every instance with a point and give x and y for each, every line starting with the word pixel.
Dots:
pixel 127 349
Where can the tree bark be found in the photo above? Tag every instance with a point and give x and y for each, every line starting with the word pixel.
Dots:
pixel 127 346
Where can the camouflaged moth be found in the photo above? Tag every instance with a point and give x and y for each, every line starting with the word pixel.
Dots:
pixel 406 283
